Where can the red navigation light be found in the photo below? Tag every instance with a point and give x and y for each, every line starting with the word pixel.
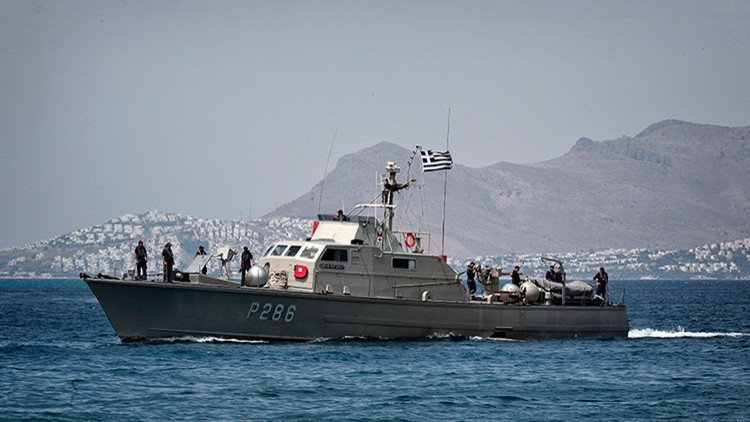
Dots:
pixel 300 271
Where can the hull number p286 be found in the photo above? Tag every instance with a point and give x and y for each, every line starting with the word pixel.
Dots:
pixel 269 311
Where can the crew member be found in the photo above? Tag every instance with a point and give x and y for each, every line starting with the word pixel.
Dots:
pixel 515 276
pixel 470 273
pixel 141 257
pixel 559 275
pixel 601 278
pixel 246 261
pixel 202 251
pixel 550 276
pixel 340 216
pixel 167 258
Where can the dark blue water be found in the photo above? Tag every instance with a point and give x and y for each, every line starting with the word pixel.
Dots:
pixel 687 358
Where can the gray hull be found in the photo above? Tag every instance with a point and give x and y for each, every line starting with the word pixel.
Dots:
pixel 143 310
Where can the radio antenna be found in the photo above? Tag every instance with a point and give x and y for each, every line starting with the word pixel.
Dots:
pixel 323 182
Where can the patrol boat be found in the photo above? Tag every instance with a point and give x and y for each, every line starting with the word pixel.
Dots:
pixel 353 279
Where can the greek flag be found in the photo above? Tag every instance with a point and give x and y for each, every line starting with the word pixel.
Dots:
pixel 436 160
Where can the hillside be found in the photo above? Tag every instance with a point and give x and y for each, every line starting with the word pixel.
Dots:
pixel 108 248
pixel 724 260
pixel 672 186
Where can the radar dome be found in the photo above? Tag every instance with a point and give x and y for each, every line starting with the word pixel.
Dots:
pixel 531 291
pixel 256 277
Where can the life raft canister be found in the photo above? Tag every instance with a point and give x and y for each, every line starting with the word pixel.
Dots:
pixel 410 240
pixel 300 271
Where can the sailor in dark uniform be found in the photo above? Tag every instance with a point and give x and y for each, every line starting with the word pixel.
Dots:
pixel 601 278
pixel 167 258
pixel 202 251
pixel 246 261
pixel 515 276
pixel 559 275
pixel 141 258
pixel 550 276
pixel 470 273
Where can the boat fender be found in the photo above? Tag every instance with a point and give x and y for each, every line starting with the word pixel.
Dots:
pixel 410 240
pixel 257 276
pixel 511 288
pixel 530 291
pixel 426 296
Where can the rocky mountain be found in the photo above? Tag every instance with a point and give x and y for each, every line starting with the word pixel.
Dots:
pixel 108 248
pixel 672 186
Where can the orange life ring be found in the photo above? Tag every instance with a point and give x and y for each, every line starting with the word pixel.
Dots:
pixel 410 240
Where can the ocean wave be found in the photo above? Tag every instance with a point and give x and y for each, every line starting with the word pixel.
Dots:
pixel 343 339
pixel 450 336
pixel 680 333
pixel 478 338
pixel 207 339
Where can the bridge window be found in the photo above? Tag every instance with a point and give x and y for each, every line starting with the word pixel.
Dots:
pixel 404 263
pixel 293 250
pixel 278 250
pixel 309 252
pixel 338 255
pixel 268 251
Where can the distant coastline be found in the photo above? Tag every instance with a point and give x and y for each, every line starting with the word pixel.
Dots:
pixel 107 248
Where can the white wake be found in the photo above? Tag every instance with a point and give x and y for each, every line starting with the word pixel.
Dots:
pixel 679 333
pixel 478 338
pixel 207 339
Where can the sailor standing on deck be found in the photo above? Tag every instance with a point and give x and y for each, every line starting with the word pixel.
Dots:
pixel 601 278
pixel 167 258
pixel 559 275
pixel 202 251
pixel 246 261
pixel 141 257
pixel 515 276
pixel 550 276
pixel 470 273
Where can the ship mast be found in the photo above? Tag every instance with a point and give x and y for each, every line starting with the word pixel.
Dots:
pixel 391 186
pixel 445 189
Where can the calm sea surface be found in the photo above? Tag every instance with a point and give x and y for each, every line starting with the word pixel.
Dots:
pixel 687 357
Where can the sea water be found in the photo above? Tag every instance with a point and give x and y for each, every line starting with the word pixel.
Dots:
pixel 686 357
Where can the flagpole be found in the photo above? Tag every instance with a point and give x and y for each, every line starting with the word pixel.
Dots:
pixel 445 187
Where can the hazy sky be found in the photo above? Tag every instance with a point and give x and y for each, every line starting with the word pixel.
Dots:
pixel 207 107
